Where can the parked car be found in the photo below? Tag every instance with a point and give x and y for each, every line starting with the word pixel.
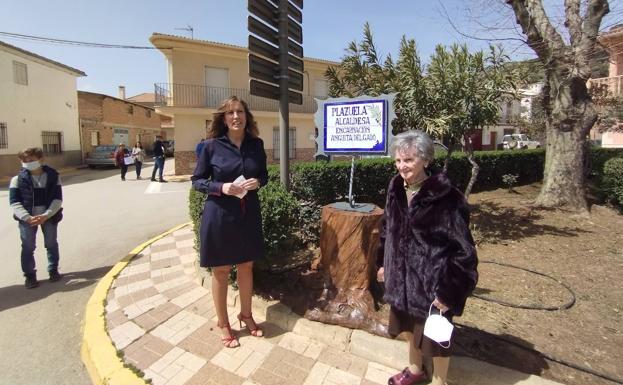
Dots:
pixel 169 147
pixel 103 156
pixel 519 141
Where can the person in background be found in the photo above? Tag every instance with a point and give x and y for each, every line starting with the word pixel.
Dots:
pixel 158 160
pixel 199 148
pixel 120 154
pixel 231 223
pixel 139 157
pixel 427 257
pixel 36 198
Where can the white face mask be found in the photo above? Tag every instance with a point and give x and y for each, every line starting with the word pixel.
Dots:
pixel 31 166
pixel 438 329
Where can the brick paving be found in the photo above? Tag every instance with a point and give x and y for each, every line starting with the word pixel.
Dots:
pixel 164 323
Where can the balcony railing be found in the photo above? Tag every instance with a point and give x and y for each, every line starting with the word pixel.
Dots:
pixel 198 96
pixel 614 84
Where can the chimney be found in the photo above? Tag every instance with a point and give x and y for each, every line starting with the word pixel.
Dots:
pixel 122 92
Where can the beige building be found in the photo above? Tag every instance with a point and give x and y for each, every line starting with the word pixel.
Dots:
pixel 202 73
pixel 38 107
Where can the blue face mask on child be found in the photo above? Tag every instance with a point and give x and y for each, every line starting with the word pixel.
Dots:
pixel 31 166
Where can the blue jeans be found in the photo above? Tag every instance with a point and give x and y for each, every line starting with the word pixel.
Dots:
pixel 28 235
pixel 158 165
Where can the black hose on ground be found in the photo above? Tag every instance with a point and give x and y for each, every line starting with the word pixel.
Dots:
pixel 566 305
pixel 548 308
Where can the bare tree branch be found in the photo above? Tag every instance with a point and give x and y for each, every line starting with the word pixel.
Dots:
pixel 535 37
pixel 597 9
pixel 573 21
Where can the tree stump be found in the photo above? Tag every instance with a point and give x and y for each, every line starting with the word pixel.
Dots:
pixel 348 250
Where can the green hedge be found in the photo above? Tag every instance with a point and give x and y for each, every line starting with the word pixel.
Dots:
pixel 599 156
pixel 323 183
pixel 613 180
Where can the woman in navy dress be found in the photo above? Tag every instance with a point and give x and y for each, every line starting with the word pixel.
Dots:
pixel 231 227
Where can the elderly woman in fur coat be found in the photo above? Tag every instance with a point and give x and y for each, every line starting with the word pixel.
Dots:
pixel 427 254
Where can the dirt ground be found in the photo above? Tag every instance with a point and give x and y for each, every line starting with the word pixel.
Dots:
pixel 549 297
pixel 583 254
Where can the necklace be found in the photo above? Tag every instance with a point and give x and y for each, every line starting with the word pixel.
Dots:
pixel 37 180
pixel 415 184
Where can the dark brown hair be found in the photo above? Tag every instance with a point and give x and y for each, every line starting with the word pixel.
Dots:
pixel 37 152
pixel 219 128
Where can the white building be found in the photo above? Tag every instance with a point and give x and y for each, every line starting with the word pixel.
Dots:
pixel 512 112
pixel 38 108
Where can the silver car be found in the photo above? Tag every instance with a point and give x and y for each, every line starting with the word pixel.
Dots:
pixel 103 156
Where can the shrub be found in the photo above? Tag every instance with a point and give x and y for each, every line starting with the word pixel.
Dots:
pixel 509 180
pixel 599 156
pixel 196 201
pixel 279 219
pixel 613 180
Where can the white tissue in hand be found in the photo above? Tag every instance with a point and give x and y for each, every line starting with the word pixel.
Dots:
pixel 238 182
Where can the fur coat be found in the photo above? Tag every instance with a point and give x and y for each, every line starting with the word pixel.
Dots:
pixel 427 249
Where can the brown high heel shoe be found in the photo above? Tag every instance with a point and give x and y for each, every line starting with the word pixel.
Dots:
pixel 230 340
pixel 249 322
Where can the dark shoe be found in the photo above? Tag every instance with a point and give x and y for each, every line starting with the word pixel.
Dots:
pixel 122 179
pixel 407 378
pixel 55 276
pixel 31 282
pixel 163 181
pixel 153 179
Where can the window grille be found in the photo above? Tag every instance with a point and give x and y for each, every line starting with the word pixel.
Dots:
pixel 52 142
pixel 291 142
pixel 4 140
pixel 20 73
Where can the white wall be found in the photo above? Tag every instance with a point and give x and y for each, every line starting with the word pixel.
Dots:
pixel 48 103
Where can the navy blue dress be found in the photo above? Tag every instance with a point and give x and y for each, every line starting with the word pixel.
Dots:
pixel 231 228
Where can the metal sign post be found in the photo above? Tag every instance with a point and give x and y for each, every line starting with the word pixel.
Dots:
pixel 280 68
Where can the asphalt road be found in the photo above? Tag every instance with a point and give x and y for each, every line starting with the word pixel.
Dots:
pixel 104 218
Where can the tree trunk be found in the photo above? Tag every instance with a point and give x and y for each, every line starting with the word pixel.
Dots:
pixel 348 247
pixel 563 178
pixel 570 116
pixel 475 166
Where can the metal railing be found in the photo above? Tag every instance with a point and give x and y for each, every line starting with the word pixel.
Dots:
pixel 199 96
pixel 613 84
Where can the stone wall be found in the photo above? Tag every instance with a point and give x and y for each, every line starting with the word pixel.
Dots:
pixel 185 162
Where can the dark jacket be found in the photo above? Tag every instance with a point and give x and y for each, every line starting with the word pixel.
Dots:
pixel 158 149
pixel 231 228
pixel 25 195
pixel 119 157
pixel 427 248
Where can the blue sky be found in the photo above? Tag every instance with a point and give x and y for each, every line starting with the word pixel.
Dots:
pixel 328 26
